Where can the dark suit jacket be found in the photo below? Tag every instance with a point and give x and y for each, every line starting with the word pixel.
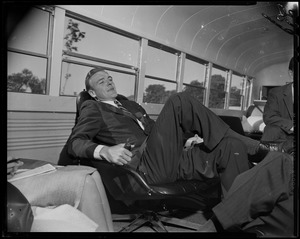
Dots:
pixel 101 123
pixel 278 110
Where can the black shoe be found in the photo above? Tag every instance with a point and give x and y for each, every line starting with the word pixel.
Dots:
pixel 286 146
pixel 274 146
pixel 260 154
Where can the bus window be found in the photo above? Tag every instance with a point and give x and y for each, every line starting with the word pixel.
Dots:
pixel 217 88
pixel 194 79
pixel 160 79
pixel 236 92
pixel 87 46
pixel 74 73
pixel 28 49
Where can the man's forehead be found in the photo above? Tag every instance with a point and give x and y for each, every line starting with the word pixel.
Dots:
pixel 94 71
pixel 99 75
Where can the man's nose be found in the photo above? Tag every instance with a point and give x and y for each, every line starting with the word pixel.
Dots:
pixel 107 81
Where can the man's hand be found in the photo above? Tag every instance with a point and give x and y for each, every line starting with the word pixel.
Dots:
pixel 12 166
pixel 191 142
pixel 116 154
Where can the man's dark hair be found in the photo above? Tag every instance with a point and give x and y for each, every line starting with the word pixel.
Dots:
pixel 89 76
pixel 291 64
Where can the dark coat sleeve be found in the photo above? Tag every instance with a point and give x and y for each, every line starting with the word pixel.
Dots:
pixel 89 124
pixel 276 111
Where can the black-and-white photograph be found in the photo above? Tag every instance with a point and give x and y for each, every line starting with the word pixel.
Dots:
pixel 151 118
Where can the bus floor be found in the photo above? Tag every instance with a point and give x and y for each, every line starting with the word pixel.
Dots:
pixel 193 217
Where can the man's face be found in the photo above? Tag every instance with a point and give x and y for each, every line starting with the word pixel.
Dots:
pixel 103 86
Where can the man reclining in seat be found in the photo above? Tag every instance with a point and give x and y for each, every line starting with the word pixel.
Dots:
pixel 105 125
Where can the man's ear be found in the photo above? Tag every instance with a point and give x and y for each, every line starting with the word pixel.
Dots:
pixel 92 93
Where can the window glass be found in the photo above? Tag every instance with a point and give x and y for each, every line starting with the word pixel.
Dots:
pixel 236 92
pixel 26 73
pixel 217 89
pixel 193 72
pixel 157 91
pixel 27 56
pixel 194 78
pixel 31 32
pixel 73 80
pixel 161 63
pixel 94 41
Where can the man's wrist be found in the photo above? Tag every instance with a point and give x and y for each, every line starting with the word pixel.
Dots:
pixel 97 152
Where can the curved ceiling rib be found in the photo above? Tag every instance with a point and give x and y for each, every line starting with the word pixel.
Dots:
pixel 202 27
pixel 232 36
pixel 186 23
pixel 229 27
pixel 271 61
pixel 270 56
pixel 158 22
pixel 251 49
pixel 135 11
pixel 235 16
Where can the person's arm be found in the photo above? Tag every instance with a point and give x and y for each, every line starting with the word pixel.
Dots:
pixel 12 166
pixel 81 142
pixel 115 154
pixel 89 123
pixel 272 114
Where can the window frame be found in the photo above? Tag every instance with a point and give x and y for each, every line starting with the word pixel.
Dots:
pixel 205 65
pixel 54 61
pixel 167 49
pixel 103 26
pixel 48 55
pixel 226 84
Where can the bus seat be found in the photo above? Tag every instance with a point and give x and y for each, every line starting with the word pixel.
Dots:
pixel 236 124
pixel 127 186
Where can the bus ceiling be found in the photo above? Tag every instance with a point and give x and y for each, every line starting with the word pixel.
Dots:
pixel 244 37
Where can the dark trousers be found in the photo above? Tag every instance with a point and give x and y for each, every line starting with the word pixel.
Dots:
pixel 276 134
pixel 164 160
pixel 262 196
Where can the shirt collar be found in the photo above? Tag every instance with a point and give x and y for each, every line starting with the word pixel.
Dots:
pixel 110 102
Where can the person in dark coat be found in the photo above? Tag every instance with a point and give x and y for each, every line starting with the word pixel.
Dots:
pixel 260 200
pixel 278 113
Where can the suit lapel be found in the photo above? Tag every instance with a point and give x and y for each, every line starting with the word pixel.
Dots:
pixel 118 111
pixel 287 97
pixel 111 108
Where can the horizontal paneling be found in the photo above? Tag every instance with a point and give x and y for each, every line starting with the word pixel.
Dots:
pixel 32 142
pixel 38 135
pixel 41 124
pixel 41 103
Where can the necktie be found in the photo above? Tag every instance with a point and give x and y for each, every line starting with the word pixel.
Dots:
pixel 128 113
pixel 120 106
